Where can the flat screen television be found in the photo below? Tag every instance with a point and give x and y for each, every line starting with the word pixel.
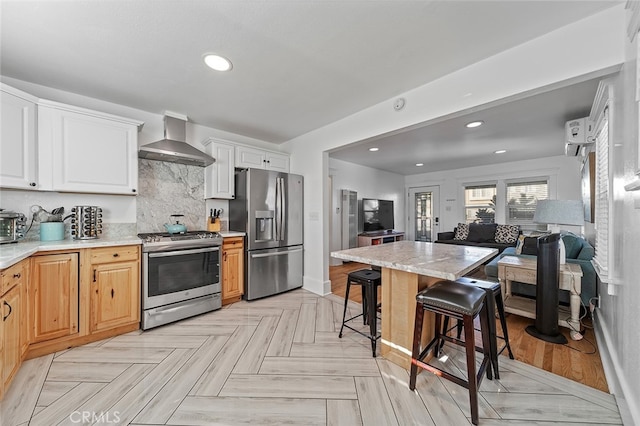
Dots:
pixel 376 215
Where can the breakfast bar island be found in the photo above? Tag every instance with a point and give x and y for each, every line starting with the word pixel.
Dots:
pixel 407 268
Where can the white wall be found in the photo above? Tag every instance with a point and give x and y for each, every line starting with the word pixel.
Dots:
pixel 594 43
pixel 563 173
pixel 617 326
pixel 368 183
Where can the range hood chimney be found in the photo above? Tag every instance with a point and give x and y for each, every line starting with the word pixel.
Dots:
pixel 174 148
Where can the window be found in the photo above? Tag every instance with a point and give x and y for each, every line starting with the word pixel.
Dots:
pixel 522 198
pixel 601 259
pixel 480 203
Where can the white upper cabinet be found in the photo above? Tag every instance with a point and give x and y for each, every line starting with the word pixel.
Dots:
pixel 247 157
pixel 18 153
pixel 219 177
pixel 87 151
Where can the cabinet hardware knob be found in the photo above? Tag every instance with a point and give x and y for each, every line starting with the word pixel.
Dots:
pixel 94 275
pixel 32 184
pixel 17 275
pixel 133 190
pixel 112 293
pixel 10 309
pixel 115 255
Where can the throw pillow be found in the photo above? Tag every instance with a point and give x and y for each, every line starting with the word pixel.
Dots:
pixel 507 234
pixel 527 245
pixel 482 232
pixel 462 231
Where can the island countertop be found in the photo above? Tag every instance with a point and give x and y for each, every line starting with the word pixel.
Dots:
pixel 444 261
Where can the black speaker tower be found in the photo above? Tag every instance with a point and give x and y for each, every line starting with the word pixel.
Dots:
pixel 547 284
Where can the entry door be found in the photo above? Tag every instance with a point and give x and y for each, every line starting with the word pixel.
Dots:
pixel 424 212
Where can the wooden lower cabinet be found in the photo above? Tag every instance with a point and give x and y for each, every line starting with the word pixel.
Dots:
pixel 11 351
pixel 53 297
pixel 115 295
pixel 57 300
pixel 13 321
pixel 232 269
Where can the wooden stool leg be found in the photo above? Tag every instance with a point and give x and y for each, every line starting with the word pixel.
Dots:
pixel 471 367
pixel 417 333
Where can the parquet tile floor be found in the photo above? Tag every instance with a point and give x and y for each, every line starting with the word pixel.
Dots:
pixel 271 362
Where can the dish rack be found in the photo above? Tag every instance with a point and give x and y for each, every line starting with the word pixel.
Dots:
pixel 86 222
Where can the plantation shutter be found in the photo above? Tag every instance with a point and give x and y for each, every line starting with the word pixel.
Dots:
pixel 602 224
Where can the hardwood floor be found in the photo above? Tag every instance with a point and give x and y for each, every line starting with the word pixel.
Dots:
pixel 578 360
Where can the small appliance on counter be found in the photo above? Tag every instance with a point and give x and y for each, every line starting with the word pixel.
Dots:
pixel 86 222
pixel 12 226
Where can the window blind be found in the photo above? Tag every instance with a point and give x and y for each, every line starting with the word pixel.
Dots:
pixel 602 225
pixel 522 199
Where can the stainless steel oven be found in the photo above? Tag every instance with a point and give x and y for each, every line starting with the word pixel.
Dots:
pixel 180 278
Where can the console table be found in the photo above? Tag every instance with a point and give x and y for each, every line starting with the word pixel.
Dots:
pixel 524 270
pixel 373 239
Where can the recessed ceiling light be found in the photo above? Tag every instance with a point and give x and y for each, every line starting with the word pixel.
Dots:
pixel 419 164
pixel 474 124
pixel 500 151
pixel 373 149
pixel 217 62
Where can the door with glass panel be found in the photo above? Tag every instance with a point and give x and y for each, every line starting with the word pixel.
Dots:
pixel 424 212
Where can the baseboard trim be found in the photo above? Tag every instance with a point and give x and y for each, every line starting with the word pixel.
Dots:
pixel 616 378
pixel 321 288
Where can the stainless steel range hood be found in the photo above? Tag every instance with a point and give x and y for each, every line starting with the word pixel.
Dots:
pixel 174 148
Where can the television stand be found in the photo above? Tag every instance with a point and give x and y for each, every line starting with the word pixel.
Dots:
pixel 379 237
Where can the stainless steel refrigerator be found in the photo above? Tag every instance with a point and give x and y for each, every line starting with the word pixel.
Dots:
pixel 268 207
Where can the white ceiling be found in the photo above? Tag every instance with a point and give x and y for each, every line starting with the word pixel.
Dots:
pixel 297 65
pixel 527 128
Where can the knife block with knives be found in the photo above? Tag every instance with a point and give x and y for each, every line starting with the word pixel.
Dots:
pixel 213 221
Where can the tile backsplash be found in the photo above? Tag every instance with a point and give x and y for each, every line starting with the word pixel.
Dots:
pixel 168 188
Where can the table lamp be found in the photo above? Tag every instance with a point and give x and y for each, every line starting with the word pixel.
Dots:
pixel 559 212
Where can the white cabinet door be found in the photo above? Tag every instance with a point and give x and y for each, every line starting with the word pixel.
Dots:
pixel 18 156
pixel 89 151
pixel 247 157
pixel 250 157
pixel 219 177
pixel 277 162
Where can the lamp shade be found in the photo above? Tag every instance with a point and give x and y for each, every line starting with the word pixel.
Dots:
pixel 560 212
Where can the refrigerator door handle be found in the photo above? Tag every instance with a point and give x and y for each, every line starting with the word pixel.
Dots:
pixel 278 224
pixel 280 253
pixel 283 205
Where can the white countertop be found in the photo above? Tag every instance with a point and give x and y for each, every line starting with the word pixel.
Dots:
pixel 15 252
pixel 226 234
pixel 445 261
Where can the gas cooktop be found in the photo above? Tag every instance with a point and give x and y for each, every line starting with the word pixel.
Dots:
pixel 164 241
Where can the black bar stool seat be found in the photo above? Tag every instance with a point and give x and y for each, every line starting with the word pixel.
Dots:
pixel 458 301
pixel 494 301
pixel 370 280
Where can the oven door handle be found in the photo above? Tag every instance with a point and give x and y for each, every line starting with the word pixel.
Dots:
pixel 182 252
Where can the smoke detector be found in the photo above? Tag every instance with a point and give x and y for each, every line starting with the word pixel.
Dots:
pixel 398 104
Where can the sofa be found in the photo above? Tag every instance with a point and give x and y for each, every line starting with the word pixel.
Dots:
pixel 578 251
pixel 489 235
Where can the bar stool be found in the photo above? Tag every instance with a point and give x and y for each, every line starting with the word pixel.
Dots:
pixel 462 302
pixel 370 280
pixel 493 300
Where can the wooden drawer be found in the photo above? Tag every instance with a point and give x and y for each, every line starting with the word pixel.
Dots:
pixel 114 254
pixel 526 276
pixel 232 242
pixel 12 276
